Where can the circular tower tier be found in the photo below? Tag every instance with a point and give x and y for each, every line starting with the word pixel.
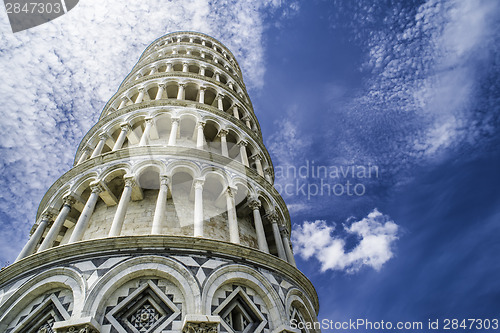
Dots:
pixel 168 220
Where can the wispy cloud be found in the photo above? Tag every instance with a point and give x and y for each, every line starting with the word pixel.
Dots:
pixel 427 91
pixel 56 78
pixel 376 234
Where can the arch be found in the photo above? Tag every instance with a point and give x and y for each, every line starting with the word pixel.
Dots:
pixel 295 298
pixel 62 277
pixel 246 276
pixel 142 166
pixel 162 267
pixel 82 183
pixel 188 167
pixel 114 171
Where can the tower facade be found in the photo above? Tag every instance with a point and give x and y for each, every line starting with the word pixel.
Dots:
pixel 168 220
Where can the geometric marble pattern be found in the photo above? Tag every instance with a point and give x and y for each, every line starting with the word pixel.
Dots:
pixel 248 307
pixel 43 313
pixel 200 266
pixel 143 309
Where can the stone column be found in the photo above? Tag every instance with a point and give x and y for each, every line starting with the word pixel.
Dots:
pixel 243 153
pixel 169 67
pixel 58 223
pixel 247 122
pixel 217 76
pixel 286 244
pixel 235 112
pixel 259 228
pixel 173 132
pixel 161 206
pixel 198 207
pixel 124 101
pixel 202 95
pixel 153 70
pixel 220 105
pixel 258 164
pixel 230 84
pixel 234 233
pixel 83 220
pixel 84 156
pixel 185 67
pixel 200 135
pixel 30 246
pixel 180 93
pixel 273 217
pixel 140 97
pixel 100 145
pixel 202 70
pixel 161 89
pixel 223 142
pixel 269 175
pixel 202 54
pixel 145 134
pixel 121 210
pixel 121 138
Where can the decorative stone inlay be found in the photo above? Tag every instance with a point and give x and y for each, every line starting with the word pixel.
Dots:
pixel 144 317
pixel 145 310
pixel 46 327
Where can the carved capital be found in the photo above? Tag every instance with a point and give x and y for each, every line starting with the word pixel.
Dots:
pixel 129 181
pixel 223 132
pixel 164 180
pixel 176 120
pixel 256 157
pixel 104 136
pixel 254 204
pixel 273 217
pixel 96 187
pixel 198 183
pixel 200 328
pixel 243 143
pixel 47 216
pixel 125 127
pixel 69 200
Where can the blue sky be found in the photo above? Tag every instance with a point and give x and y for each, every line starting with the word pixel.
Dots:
pixel 412 88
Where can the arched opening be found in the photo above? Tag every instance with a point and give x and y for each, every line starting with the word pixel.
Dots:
pixel 209 73
pixel 172 90
pixel 191 92
pixel 232 139
pixel 187 134
pixel 194 69
pixel 181 211
pixel 177 67
pixel 211 130
pixel 214 208
pixel 210 95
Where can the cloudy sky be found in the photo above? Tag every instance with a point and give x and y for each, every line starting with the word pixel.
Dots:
pixel 381 117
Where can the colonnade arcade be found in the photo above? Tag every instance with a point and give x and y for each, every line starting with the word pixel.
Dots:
pixel 188 200
pixel 210 48
pixel 188 63
pixel 168 127
pixel 202 92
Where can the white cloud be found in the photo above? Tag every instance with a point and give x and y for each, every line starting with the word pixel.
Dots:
pixel 376 234
pixel 55 79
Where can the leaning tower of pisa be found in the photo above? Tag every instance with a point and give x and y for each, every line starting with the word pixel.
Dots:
pixel 168 220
